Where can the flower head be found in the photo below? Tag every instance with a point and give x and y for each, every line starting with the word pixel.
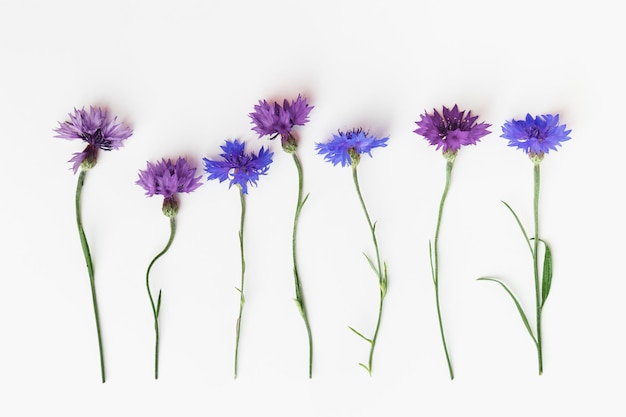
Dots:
pixel 453 130
pixel 347 147
pixel 95 127
pixel 274 119
pixel 536 136
pixel 166 178
pixel 239 167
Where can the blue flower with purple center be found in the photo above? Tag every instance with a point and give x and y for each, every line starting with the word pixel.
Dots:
pixel 452 130
pixel 536 136
pixel 240 167
pixel 95 127
pixel 346 148
pixel 167 178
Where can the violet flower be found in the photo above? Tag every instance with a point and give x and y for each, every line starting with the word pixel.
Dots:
pixel 272 119
pixel 100 131
pixel 242 169
pixel 536 137
pixel 347 148
pixel 276 120
pixel 165 178
pixel 448 132
pixel 95 127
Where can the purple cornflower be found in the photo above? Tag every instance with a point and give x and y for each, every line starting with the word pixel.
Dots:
pixel 274 119
pixel 166 178
pixel 536 136
pixel 453 130
pixel 346 148
pixel 239 167
pixel 96 128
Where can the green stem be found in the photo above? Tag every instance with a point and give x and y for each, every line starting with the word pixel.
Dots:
pixel 382 275
pixel 243 271
pixel 536 265
pixel 87 253
pixel 299 295
pixel 435 270
pixel 157 307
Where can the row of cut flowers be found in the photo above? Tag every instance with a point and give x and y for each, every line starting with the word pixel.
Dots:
pixel 448 130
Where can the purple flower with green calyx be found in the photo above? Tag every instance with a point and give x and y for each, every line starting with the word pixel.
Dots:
pixel 241 168
pixel 275 120
pixel 95 127
pixel 346 148
pixel 100 131
pixel 165 178
pixel 452 130
pixel 448 131
pixel 536 136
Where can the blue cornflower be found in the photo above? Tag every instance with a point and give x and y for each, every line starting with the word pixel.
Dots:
pixel 536 136
pixel 347 147
pixel 239 167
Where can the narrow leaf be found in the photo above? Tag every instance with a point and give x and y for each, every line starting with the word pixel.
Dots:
pixel 546 281
pixel 359 334
pixel 517 304
pixel 366 368
pixel 158 304
pixel 306 197
pixel 519 223
pixel 430 255
pixel 371 263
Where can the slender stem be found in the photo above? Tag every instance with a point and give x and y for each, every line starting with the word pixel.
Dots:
pixel 382 275
pixel 87 253
pixel 449 166
pixel 242 299
pixel 536 265
pixel 157 307
pixel 299 295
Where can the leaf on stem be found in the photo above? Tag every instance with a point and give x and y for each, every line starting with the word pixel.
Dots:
pixel 371 263
pixel 519 223
pixel 158 308
pixel 366 368
pixel 430 256
pixel 299 304
pixel 546 281
pixel 517 304
pixel 359 334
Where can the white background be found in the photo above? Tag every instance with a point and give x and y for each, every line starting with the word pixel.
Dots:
pixel 185 75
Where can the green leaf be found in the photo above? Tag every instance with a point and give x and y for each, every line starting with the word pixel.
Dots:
pixel 299 304
pixel 306 197
pixel 517 304
pixel 519 223
pixel 371 263
pixel 359 334
pixel 158 304
pixel 383 282
pixel 546 280
pixel 366 368
pixel 430 255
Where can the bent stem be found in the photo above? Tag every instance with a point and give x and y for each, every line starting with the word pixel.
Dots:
pixel 242 299
pixel 382 276
pixel 538 301
pixel 299 296
pixel 87 254
pixel 157 307
pixel 435 264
